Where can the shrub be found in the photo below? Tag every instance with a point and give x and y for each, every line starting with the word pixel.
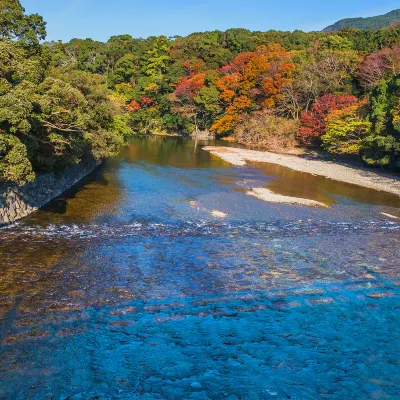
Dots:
pixel 267 131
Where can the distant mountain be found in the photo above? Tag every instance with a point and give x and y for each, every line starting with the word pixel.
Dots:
pixel 380 21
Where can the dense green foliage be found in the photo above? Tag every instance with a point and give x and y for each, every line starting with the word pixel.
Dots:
pixel 14 24
pixel 49 117
pixel 382 147
pixel 60 102
pixel 378 22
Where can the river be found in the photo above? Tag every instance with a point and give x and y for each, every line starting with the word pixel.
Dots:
pixel 158 277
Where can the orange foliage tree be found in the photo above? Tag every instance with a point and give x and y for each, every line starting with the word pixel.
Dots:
pixel 253 81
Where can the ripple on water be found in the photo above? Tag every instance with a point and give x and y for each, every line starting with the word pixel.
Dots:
pixel 181 304
pixel 190 228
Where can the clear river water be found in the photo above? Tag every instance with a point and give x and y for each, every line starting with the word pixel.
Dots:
pixel 158 277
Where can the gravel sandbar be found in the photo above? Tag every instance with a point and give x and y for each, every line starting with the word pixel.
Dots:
pixel 329 169
pixel 268 195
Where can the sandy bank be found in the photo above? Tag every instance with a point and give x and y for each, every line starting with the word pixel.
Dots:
pixel 268 195
pixel 354 175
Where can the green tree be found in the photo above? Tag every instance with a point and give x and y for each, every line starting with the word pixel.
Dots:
pixel 155 63
pixel 382 146
pixel 16 25
pixel 14 162
pixel 125 69
pixel 336 42
pixel 379 115
pixel 345 131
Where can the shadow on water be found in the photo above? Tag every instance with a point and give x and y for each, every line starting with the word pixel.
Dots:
pixel 92 196
pixel 59 205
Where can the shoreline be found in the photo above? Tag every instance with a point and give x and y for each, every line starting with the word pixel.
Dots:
pixel 353 175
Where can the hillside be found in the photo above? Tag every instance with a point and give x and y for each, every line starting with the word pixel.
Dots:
pixel 377 22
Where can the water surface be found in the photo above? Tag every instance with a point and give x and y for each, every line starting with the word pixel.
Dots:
pixel 130 287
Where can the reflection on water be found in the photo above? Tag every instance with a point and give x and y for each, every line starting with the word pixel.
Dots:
pixel 129 286
pixel 102 192
pixel 172 152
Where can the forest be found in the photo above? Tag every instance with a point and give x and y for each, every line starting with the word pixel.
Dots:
pixel 376 22
pixel 60 102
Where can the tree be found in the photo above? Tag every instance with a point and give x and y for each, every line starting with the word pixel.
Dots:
pixel 16 25
pixel 345 131
pixel 19 75
pixel 155 63
pixel 379 106
pixel 253 81
pixel 381 150
pixel 196 97
pixel 382 146
pixel 336 42
pixel 14 162
pixel 208 103
pixel 186 92
pixel 267 131
pixel 61 54
pixel 379 66
pixel 95 115
pixel 318 72
pixel 125 69
pixel 313 124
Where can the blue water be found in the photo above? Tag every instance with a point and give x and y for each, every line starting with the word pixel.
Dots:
pixel 130 286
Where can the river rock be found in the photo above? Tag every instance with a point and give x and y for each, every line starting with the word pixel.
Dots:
pixel 196 385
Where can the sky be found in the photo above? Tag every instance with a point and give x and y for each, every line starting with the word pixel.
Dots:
pixel 101 19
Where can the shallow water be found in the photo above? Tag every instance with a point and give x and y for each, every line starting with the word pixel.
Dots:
pixel 130 287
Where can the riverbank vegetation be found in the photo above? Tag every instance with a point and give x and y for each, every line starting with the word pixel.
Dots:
pixel 49 117
pixel 337 92
pixel 275 90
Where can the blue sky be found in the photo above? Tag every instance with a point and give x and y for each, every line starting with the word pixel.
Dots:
pixel 100 19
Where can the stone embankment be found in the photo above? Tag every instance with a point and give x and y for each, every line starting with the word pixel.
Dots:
pixel 17 202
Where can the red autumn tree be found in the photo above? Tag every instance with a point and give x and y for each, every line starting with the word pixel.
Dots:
pixel 313 124
pixel 147 101
pixel 134 106
pixel 195 66
pixel 186 91
pixel 238 63
pixel 189 87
